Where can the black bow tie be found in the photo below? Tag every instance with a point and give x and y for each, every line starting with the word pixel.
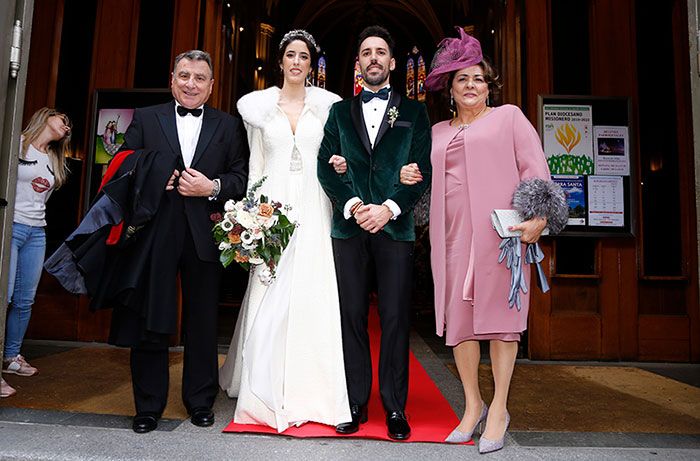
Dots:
pixel 184 111
pixel 367 95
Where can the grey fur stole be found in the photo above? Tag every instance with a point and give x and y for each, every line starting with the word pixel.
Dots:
pixel 536 197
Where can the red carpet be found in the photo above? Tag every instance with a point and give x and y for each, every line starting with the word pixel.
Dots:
pixel 429 414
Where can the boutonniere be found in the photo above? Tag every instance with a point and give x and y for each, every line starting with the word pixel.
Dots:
pixel 392 115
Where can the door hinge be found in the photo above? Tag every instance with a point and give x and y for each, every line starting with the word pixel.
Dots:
pixel 697 44
pixel 16 50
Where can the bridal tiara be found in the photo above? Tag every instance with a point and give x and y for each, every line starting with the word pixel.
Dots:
pixel 297 33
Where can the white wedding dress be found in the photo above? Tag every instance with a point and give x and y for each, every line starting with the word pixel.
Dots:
pixel 285 362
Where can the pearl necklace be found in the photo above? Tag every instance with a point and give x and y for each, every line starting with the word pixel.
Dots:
pixel 466 125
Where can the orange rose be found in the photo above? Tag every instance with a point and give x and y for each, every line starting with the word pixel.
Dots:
pixel 240 259
pixel 234 238
pixel 265 210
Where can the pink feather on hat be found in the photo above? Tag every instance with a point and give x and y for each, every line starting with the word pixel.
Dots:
pixel 453 54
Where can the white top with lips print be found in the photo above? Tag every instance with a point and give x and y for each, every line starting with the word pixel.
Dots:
pixel 35 182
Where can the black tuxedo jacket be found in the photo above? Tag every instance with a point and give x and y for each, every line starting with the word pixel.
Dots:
pixel 222 152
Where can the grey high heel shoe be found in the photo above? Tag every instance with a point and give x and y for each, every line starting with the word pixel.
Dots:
pixel 487 446
pixel 457 436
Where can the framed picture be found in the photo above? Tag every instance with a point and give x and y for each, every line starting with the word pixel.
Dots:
pixel 111 126
pixel 112 112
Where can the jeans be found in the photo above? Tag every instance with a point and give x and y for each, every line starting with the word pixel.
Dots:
pixel 26 263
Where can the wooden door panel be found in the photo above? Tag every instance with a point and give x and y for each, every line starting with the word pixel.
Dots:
pixel 575 295
pixel 575 337
pixel 664 326
pixel 664 338
pixel 663 297
pixel 54 313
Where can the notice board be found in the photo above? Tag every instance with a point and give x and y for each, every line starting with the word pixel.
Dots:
pixel 589 145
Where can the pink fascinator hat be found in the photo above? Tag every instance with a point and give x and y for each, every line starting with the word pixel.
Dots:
pixel 453 54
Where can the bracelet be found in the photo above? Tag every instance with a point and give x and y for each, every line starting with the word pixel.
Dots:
pixel 355 207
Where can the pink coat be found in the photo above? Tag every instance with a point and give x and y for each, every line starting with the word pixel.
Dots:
pixel 501 149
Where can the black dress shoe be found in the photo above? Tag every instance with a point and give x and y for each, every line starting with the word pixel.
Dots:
pixel 202 417
pixel 144 423
pixel 397 425
pixel 359 416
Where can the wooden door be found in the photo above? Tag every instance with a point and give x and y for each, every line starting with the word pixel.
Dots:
pixel 622 298
pixel 12 88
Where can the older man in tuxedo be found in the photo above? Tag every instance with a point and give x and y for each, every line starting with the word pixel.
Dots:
pixel 212 167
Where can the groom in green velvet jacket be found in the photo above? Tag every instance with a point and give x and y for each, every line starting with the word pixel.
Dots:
pixel 377 132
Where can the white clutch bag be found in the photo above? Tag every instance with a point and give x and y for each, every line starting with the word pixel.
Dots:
pixel 503 219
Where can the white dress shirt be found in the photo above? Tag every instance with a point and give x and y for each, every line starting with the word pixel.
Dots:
pixel 188 129
pixel 373 112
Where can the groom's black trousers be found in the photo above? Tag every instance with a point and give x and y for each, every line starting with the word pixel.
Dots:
pixel 356 260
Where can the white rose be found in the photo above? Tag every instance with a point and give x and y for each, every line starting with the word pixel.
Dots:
pixel 229 205
pixel 224 246
pixel 246 219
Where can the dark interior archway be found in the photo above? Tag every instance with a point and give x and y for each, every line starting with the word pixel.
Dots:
pixel 336 23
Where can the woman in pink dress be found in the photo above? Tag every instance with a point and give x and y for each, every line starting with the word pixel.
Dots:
pixel 479 158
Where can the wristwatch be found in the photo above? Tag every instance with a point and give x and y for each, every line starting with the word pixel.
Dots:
pixel 216 190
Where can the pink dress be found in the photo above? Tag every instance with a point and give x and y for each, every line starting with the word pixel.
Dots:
pixel 459 285
pixel 474 171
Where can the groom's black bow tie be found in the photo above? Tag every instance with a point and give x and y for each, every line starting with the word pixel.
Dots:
pixel 367 95
pixel 184 111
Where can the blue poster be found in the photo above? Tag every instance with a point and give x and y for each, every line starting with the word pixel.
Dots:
pixel 572 185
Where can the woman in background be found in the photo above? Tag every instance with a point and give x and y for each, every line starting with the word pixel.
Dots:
pixel 42 169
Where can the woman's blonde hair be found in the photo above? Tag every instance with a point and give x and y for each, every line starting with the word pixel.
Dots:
pixel 57 150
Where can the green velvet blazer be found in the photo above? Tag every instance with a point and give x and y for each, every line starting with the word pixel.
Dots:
pixel 373 173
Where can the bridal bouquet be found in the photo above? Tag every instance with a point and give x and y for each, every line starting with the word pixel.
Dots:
pixel 253 231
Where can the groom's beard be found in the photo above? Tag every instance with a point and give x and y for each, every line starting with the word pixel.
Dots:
pixel 376 79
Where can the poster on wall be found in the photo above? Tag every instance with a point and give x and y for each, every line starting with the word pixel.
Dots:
pixel 568 138
pixel 612 152
pixel 111 126
pixel 112 112
pixel 606 202
pixel 573 187
pixel 589 145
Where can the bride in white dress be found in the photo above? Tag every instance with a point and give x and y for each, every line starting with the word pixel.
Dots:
pixel 285 362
